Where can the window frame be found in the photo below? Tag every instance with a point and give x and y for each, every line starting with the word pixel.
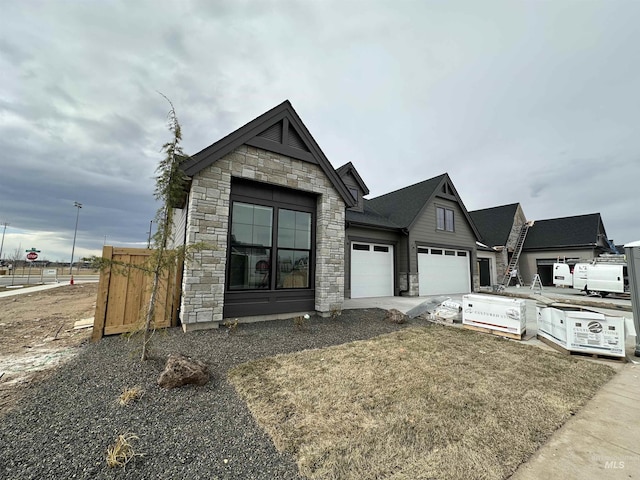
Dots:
pixel 275 207
pixel 277 248
pixel 444 222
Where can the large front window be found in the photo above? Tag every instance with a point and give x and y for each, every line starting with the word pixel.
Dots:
pixel 270 247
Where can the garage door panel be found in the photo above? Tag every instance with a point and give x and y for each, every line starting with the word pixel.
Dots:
pixel 371 270
pixel 441 274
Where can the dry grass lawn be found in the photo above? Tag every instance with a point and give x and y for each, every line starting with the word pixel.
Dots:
pixel 422 403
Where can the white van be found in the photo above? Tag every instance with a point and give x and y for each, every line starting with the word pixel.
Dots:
pixel 562 276
pixel 606 279
pixel 580 272
pixel 597 278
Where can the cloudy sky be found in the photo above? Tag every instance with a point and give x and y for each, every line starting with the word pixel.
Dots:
pixel 519 101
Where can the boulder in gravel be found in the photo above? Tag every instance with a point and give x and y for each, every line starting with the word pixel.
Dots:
pixel 181 370
pixel 396 316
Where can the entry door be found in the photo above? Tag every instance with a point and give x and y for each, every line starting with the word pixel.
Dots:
pixel 485 272
pixel 371 270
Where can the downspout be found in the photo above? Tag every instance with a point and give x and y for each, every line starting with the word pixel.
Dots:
pixel 406 233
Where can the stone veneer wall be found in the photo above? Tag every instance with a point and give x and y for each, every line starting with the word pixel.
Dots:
pixel 208 221
pixel 412 291
pixel 414 285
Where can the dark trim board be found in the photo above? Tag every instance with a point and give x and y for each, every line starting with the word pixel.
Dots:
pixel 271 146
pixel 255 302
pixel 372 240
pixel 447 246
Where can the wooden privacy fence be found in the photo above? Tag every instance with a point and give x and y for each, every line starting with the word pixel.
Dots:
pixel 124 292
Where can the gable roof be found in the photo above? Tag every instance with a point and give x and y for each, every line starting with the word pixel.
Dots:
pixel 279 130
pixel 494 224
pixel 403 207
pixel 576 231
pixel 348 168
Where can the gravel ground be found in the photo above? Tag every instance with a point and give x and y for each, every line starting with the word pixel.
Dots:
pixel 63 428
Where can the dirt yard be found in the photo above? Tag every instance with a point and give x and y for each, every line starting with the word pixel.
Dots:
pixel 37 334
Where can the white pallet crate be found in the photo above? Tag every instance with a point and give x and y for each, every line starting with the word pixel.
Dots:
pixel 499 314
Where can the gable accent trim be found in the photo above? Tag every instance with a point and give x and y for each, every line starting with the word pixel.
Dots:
pixel 271 146
pixel 294 134
pixel 349 168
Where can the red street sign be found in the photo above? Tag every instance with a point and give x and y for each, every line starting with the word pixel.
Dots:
pixel 32 256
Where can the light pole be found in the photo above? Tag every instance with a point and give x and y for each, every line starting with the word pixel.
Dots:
pixel 149 239
pixel 2 244
pixel 78 206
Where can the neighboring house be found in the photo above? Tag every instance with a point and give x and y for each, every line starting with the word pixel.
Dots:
pixel 499 228
pixel 569 239
pixel 418 240
pixel 272 208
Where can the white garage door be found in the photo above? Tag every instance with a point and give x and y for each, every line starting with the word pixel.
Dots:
pixel 443 271
pixel 371 270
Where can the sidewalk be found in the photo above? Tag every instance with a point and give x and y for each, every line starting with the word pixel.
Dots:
pixel 37 288
pixel 29 289
pixel 601 442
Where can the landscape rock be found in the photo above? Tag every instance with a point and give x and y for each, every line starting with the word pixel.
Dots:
pixel 396 316
pixel 181 370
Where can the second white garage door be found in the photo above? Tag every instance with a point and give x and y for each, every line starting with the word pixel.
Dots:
pixel 443 271
pixel 371 270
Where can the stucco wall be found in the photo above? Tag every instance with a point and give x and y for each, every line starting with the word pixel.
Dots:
pixel 208 221
pixel 528 265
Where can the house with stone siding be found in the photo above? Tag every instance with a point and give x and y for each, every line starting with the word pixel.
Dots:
pixel 289 234
pixel 568 239
pixel 499 229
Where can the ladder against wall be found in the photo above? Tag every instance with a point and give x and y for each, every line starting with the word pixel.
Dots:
pixel 515 258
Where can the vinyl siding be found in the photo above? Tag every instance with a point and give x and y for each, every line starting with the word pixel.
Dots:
pixel 424 231
pixel 178 228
